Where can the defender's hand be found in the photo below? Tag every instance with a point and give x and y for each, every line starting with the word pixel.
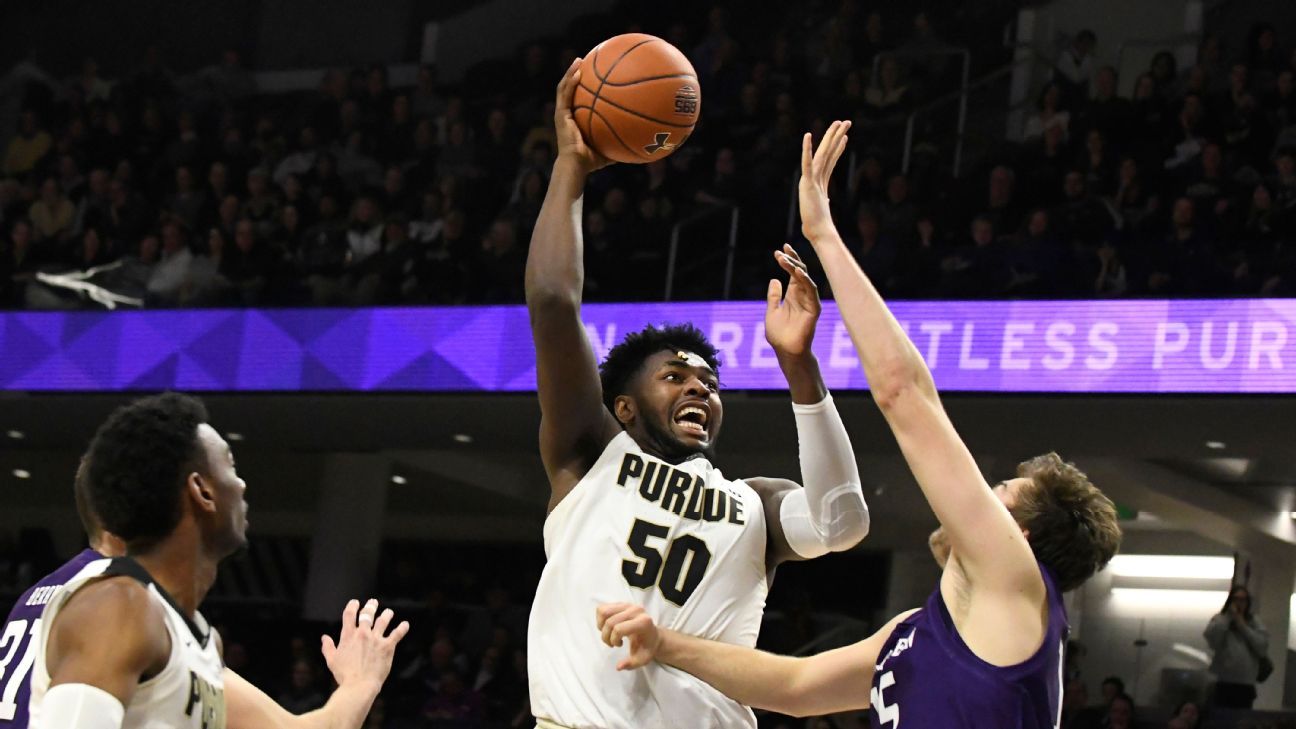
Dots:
pixel 816 171
pixel 571 145
pixel 790 319
pixel 619 621
pixel 364 650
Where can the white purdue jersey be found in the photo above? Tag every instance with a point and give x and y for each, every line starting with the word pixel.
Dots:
pixel 189 693
pixel 680 540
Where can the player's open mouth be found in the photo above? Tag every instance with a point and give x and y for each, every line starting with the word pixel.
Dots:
pixel 692 419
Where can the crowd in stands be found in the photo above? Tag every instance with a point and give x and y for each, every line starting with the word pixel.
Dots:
pixel 206 192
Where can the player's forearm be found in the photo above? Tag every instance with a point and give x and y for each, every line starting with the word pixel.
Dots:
pixel 805 383
pixel 346 708
pixel 555 269
pixel 746 675
pixel 891 363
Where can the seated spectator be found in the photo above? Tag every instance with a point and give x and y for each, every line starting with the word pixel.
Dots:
pixel 453 704
pixel 1113 278
pixel 302 694
pixel 18 261
pixel 188 203
pixel 1081 216
pixel 28 147
pixel 1098 164
pixel 1039 261
pixel 887 98
pixel 501 264
pixel 1074 67
pixel 169 281
pixel 261 206
pixel 94 250
pixel 248 265
pixel 874 251
pixel 1187 715
pixel 979 268
pixel 1105 111
pixel 53 215
pixel 1050 114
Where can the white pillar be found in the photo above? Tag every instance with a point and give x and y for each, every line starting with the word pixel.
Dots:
pixel 348 534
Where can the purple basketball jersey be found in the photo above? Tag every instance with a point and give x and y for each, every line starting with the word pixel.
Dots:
pixel 926 676
pixel 18 639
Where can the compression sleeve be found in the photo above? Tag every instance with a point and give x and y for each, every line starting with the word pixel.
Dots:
pixel 829 513
pixel 80 706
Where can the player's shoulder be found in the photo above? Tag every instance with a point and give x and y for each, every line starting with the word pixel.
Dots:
pixel 116 600
pixel 768 487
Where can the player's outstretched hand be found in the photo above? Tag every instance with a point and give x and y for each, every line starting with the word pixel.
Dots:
pixel 364 651
pixel 621 621
pixel 816 172
pixel 790 319
pixel 571 144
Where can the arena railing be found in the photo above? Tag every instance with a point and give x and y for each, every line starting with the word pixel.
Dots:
pixel 731 247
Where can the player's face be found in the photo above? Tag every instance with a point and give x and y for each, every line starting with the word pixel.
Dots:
pixel 679 404
pixel 230 531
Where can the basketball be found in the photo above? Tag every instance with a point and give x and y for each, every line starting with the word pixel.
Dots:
pixel 638 98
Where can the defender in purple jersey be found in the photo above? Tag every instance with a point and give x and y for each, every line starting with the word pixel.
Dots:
pixel 985 650
pixel 16 640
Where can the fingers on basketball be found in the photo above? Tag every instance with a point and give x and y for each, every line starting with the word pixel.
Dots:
pixel 638 98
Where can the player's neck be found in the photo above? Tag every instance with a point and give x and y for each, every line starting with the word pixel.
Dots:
pixel 180 566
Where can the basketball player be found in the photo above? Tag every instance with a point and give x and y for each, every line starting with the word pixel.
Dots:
pixel 986 648
pixel 638 512
pixel 121 643
pixel 359 662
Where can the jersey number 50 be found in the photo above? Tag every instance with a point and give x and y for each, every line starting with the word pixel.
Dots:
pixel 678 575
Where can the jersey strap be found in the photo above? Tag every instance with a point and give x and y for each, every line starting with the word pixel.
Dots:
pixel 128 567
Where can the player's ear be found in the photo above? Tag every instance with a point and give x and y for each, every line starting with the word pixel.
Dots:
pixel 624 409
pixel 202 491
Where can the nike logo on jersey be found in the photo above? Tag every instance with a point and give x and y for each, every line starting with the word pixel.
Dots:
pixel 678 491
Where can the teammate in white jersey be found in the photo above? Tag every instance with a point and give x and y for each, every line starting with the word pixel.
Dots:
pixel 359 661
pixel 121 643
pixel 638 512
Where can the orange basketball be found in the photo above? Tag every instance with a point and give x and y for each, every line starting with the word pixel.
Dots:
pixel 638 98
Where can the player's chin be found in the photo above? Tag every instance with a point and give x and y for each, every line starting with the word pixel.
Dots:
pixel 690 438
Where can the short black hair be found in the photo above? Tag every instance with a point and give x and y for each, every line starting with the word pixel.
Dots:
pixel 138 460
pixel 627 357
pixel 1115 681
pixel 81 494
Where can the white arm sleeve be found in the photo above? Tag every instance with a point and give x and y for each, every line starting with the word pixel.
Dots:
pixel 829 514
pixel 80 706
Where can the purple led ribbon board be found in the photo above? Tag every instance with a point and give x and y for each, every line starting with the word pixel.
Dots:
pixel 1185 346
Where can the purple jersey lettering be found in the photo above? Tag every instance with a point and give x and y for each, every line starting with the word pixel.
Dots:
pixel 926 676
pixel 19 637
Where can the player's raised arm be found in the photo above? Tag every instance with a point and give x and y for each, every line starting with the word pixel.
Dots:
pixel 827 514
pixel 574 425
pixel 360 662
pixel 985 538
pixel 93 676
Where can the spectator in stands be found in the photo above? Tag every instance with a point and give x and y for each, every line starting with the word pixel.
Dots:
pixel 1263 57
pixel 1150 117
pixel 1098 164
pixel 94 250
pixel 1051 114
pixel 1113 278
pixel 980 268
pixel 18 261
pixel 1240 643
pixel 1105 111
pixel 28 147
pixel 168 283
pixel 1187 715
pixel 53 215
pixel 453 704
pixel 886 99
pixel 1120 713
pixel 1074 67
pixel 1163 70
pixel 1002 207
pixel 875 251
pixel 262 205
pixel 302 694
pixel 1081 216
pixel 129 214
pixel 1038 260
pixel 248 265
pixel 500 265
pixel 188 203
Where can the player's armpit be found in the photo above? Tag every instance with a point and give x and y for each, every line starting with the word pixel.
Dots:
pixel 79 652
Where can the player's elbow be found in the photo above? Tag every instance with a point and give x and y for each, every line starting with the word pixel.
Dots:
pixel 851 525
pixel 545 298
